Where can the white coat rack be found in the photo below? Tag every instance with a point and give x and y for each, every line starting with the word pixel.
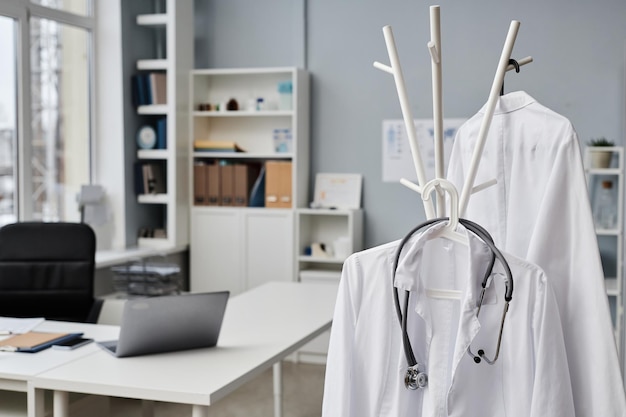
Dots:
pixel 439 183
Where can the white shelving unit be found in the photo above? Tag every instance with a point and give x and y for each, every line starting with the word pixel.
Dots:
pixel 329 227
pixel 237 248
pixel 325 226
pixel 168 20
pixel 611 240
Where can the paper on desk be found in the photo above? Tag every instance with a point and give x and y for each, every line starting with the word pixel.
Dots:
pixel 17 326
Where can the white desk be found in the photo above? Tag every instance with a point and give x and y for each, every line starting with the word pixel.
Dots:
pixel 261 327
pixel 16 369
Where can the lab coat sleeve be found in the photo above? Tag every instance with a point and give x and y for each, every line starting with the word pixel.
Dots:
pixel 552 391
pixel 564 244
pixel 337 385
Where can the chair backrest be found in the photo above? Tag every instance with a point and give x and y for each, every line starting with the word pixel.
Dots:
pixel 47 270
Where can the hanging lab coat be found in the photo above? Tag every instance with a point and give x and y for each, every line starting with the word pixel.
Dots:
pixel 539 210
pixel 366 362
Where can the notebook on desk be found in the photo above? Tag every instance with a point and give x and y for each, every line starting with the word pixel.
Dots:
pixel 169 323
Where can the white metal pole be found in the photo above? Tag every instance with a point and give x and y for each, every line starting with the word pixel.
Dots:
pixel 406 114
pixel 490 108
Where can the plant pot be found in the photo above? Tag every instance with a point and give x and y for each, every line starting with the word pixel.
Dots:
pixel 601 159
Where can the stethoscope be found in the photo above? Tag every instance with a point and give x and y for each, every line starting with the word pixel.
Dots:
pixel 416 377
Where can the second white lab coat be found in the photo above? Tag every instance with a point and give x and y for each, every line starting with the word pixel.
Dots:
pixel 366 363
pixel 539 210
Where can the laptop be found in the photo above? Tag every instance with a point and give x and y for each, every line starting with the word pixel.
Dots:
pixel 169 323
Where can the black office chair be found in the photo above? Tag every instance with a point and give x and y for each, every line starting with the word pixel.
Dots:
pixel 47 270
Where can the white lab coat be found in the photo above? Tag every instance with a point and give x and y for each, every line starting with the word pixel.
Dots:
pixel 366 363
pixel 539 210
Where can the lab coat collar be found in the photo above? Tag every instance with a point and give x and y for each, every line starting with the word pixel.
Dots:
pixel 408 278
pixel 511 102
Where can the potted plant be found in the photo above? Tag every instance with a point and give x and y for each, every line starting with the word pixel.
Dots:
pixel 601 156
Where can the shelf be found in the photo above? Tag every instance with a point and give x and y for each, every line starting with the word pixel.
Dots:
pixel 319 275
pixel 152 154
pixel 603 171
pixel 153 109
pixel 241 155
pixel 153 198
pixel 611 286
pixel 152 64
pixel 152 19
pixel 244 113
pixel 218 209
pixel 614 245
pixel 261 239
pixel 608 232
pixel 161 39
pixel 304 258
pixel 326 211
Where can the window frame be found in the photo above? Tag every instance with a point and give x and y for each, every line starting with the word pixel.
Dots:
pixel 22 11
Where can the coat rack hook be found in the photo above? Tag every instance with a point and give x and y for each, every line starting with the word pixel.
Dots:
pixel 516 66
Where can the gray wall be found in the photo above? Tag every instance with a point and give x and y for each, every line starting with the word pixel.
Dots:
pixel 578 47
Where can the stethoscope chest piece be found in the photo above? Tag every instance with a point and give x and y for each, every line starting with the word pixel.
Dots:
pixel 414 378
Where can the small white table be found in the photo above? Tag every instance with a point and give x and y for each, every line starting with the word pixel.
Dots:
pixel 261 327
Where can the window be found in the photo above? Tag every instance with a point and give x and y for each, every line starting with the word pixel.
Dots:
pixel 44 163
pixel 81 7
pixel 8 121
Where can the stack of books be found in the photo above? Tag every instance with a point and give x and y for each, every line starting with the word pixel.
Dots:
pixel 149 178
pixel 216 146
pixel 149 88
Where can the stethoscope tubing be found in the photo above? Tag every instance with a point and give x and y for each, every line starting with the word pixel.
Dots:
pixel 495 253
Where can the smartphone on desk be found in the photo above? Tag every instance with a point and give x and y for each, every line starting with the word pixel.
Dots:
pixel 72 344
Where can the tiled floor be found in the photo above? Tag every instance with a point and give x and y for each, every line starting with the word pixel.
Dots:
pixel 303 386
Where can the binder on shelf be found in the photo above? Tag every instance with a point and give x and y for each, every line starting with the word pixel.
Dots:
pixel 257 194
pixel 149 88
pixel 227 173
pixel 145 88
pixel 213 183
pixel 216 146
pixel 200 189
pixel 158 87
pixel 149 178
pixel 161 131
pixel 140 90
pixel 278 184
pixel 148 181
pixel 245 175
pixel 139 178
pixel 285 187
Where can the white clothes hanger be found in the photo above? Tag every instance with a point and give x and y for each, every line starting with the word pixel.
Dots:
pixel 449 230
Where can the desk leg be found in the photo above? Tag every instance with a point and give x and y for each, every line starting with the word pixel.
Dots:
pixel 35 402
pixel 278 390
pixel 61 404
pixel 200 411
pixel 147 408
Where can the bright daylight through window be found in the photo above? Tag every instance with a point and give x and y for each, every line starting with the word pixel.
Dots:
pixel 43 167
